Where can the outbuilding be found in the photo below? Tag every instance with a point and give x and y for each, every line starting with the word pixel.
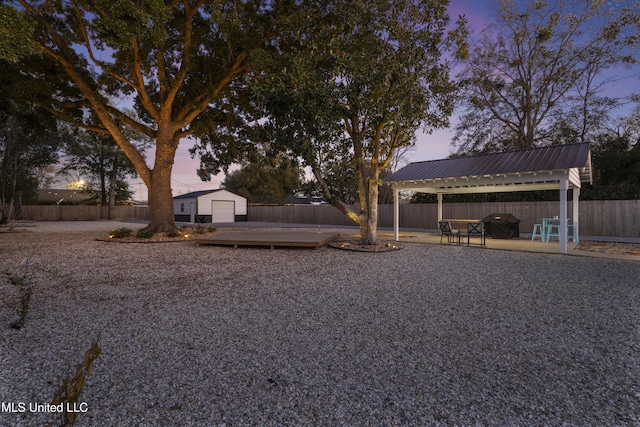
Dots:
pixel 558 167
pixel 210 206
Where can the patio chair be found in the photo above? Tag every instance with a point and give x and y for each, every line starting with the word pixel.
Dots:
pixel 445 228
pixel 476 229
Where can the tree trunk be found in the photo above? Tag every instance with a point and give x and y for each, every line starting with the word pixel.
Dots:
pixel 339 204
pixel 103 188
pixel 112 189
pixel 17 209
pixel 161 216
pixel 14 176
pixel 369 233
pixel 9 172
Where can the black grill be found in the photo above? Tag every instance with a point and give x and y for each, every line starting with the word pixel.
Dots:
pixel 501 226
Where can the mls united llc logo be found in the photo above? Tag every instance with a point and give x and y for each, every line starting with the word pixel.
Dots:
pixel 19 407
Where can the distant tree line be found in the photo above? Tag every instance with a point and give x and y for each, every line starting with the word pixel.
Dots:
pixel 538 75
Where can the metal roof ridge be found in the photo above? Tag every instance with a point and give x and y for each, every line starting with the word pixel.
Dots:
pixel 501 153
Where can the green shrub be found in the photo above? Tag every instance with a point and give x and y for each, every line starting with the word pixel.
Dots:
pixel 120 232
pixel 145 233
pixel 202 230
pixel 174 233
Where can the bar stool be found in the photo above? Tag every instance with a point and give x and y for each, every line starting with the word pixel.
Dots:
pixel 539 233
pixel 550 232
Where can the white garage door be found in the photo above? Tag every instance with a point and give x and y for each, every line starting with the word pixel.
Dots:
pixel 223 211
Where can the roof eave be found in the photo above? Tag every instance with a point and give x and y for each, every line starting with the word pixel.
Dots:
pixel 502 182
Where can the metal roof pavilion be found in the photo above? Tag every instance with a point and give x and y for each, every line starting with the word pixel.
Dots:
pixel 558 167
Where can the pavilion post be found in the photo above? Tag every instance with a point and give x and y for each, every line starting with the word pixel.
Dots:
pixel 564 184
pixel 396 213
pixel 576 212
pixel 439 207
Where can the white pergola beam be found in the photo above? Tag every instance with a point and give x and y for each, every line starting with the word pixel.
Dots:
pixel 528 179
pixel 472 189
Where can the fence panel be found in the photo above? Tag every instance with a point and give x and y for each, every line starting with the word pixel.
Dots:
pixel 610 218
pixel 82 213
pixel 301 214
pixel 620 218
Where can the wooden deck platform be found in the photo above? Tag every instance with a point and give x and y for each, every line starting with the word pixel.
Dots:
pixel 272 239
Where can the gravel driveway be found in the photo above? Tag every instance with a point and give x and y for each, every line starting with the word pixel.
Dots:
pixel 428 335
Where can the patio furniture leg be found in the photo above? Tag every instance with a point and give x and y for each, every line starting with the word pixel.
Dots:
pixel 550 231
pixel 537 232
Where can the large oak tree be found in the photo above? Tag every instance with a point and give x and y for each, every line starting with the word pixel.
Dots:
pixel 173 60
pixel 355 86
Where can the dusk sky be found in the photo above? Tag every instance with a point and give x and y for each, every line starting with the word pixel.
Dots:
pixel 428 147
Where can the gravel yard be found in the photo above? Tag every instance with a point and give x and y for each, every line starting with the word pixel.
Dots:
pixel 427 335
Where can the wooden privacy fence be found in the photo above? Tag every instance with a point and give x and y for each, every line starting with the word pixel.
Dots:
pixel 82 213
pixel 619 218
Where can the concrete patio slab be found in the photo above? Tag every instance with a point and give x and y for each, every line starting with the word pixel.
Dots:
pixel 523 244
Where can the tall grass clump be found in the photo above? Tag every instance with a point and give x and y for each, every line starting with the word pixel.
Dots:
pixel 69 392
pixel 25 287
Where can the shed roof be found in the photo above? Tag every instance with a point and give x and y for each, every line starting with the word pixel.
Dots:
pixel 196 194
pixel 533 169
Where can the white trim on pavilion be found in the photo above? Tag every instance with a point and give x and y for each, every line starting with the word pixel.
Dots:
pixel 559 168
